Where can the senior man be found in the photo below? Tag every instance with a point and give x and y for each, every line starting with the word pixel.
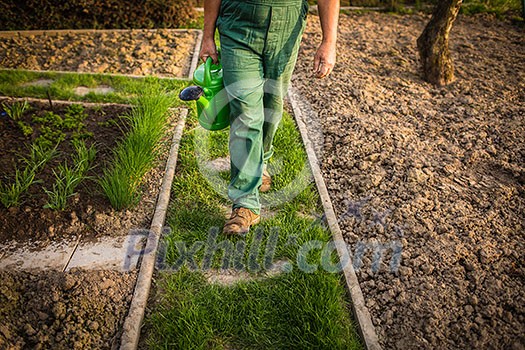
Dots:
pixel 259 44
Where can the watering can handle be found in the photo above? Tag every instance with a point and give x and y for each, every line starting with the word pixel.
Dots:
pixel 207 71
pixel 207 68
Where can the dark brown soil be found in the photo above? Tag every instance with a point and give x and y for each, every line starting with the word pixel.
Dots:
pixel 55 310
pixel 439 170
pixel 31 220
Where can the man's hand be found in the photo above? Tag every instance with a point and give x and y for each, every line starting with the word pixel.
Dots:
pixel 324 60
pixel 208 49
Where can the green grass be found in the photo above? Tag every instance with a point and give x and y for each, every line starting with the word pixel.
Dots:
pixel 293 310
pixel 136 154
pixel 14 83
pixel 497 7
pixel 11 193
pixel 68 178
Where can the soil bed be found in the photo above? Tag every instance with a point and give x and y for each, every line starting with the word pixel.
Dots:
pixel 88 212
pixel 31 220
pixel 439 171
pixel 54 310
pixel 162 52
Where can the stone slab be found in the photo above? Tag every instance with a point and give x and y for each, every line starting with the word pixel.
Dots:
pixel 54 256
pixel 109 253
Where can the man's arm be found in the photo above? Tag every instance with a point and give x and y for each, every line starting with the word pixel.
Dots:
pixel 324 59
pixel 211 12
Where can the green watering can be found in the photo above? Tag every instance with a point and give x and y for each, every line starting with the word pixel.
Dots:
pixel 212 101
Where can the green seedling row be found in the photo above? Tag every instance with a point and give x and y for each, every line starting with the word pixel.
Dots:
pixel 136 154
pixel 68 178
pixel 11 193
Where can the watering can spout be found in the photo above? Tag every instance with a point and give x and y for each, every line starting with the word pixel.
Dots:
pixel 191 93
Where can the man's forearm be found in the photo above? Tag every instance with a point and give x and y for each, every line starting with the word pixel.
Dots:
pixel 328 15
pixel 211 12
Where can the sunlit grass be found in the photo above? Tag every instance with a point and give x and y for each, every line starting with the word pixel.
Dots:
pixel 136 154
pixel 293 310
pixel 16 83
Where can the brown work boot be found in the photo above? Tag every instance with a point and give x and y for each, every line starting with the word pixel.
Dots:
pixel 266 181
pixel 240 221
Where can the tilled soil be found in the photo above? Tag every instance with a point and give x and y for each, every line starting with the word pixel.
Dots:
pixel 55 310
pixel 437 171
pixel 160 52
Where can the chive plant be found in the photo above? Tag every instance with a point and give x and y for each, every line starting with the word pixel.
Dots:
pixel 16 110
pixel 10 194
pixel 68 178
pixel 136 153
pixel 15 113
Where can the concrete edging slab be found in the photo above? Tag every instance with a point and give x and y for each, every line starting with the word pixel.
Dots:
pixel 63 102
pixel 362 315
pixel 132 324
pixel 195 58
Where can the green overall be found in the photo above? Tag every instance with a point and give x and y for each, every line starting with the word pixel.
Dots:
pixel 259 44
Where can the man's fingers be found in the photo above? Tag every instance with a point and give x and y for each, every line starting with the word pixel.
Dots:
pixel 204 57
pixel 208 49
pixel 317 62
pixel 324 70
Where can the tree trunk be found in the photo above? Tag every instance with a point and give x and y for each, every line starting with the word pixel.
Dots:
pixel 433 48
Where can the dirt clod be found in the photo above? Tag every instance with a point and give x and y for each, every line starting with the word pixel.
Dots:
pixel 41 311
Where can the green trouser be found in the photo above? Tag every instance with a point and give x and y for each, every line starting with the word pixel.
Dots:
pixel 259 44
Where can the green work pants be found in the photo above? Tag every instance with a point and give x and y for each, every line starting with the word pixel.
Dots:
pixel 259 44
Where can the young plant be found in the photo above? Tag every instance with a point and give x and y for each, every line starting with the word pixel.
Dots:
pixel 16 110
pixel 10 194
pixel 39 156
pixel 51 126
pixel 68 178
pixel 26 129
pixel 135 155
pixel 49 137
pixel 74 117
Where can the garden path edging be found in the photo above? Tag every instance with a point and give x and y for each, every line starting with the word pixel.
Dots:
pixel 13 33
pixel 361 313
pixel 132 323
pixel 195 58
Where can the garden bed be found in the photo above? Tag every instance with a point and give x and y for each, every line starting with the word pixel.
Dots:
pixel 55 310
pixel 159 52
pixel 81 307
pixel 88 212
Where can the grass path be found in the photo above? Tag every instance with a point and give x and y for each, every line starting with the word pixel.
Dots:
pixel 294 309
